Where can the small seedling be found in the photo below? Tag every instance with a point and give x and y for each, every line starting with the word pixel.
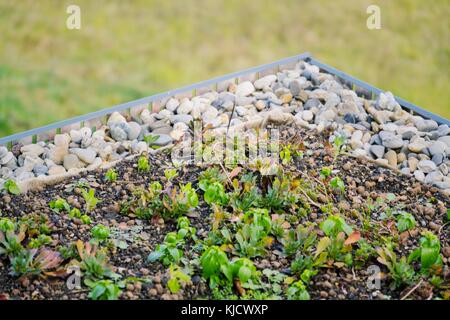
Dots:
pixel 103 289
pixel 337 184
pixel 170 174
pixel 297 291
pixel 428 253
pixel 100 233
pixel 90 199
pixel 177 278
pixel 111 175
pixel 6 225
pixel 286 154
pixel 12 187
pixel 143 165
pixel 59 205
pixel 405 221
pixel 150 139
pixel 85 219
pixel 338 143
pixel 325 173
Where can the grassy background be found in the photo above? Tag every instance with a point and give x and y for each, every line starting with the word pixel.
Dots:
pixel 130 49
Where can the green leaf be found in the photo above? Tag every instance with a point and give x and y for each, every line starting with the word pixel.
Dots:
pixel 12 187
pixel 322 245
pixel 173 285
pixel 154 256
pixel 244 274
pixel 97 292
pixel 428 257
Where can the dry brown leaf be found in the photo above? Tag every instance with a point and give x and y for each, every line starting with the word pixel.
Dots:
pixel 352 238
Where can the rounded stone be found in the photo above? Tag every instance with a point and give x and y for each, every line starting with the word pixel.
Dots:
pixel 184 118
pixel 86 155
pixel 426 166
pixel 71 161
pixel 185 107
pixel 244 89
pixel 391 157
pixel 56 170
pixel 163 140
pixel 118 133
pixel 438 147
pixel 426 125
pixel 377 151
pixel 265 81
pixel 307 115
pixel 40 169
pixel 134 130
pixel 172 104
pixel 419 175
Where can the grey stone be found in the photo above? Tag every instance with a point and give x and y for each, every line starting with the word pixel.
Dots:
pixel 115 118
pixel 184 118
pixel 311 103
pixel 332 101
pixel 446 140
pixel 56 170
pixel 118 133
pixel 71 161
pixel 163 140
pixel 443 130
pixel 347 107
pixel 244 89
pixel 438 147
pixel 434 176
pixel 3 151
pixel 265 81
pixel 163 114
pixel 426 166
pixel 377 151
pixel 32 150
pixel 296 85
pixel 419 175
pixel 417 146
pixel 162 130
pixel 307 115
pixel 86 155
pixel 390 140
pixel 407 135
pixel 351 118
pixel 326 115
pixel 375 139
pixel 6 158
pixel 134 130
pixel 40 169
pixel 426 125
pixel 386 101
pixel 172 104
pixel 438 158
pixel 185 107
pixel 159 124
pixel 75 136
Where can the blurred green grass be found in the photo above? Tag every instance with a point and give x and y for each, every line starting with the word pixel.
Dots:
pixel 127 50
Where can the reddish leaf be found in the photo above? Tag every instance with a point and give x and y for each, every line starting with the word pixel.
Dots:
pixel 235 172
pixel 352 238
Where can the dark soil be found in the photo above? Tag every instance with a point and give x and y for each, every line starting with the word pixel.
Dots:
pixel 364 180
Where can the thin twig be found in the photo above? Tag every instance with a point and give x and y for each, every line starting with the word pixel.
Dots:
pixel 412 290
